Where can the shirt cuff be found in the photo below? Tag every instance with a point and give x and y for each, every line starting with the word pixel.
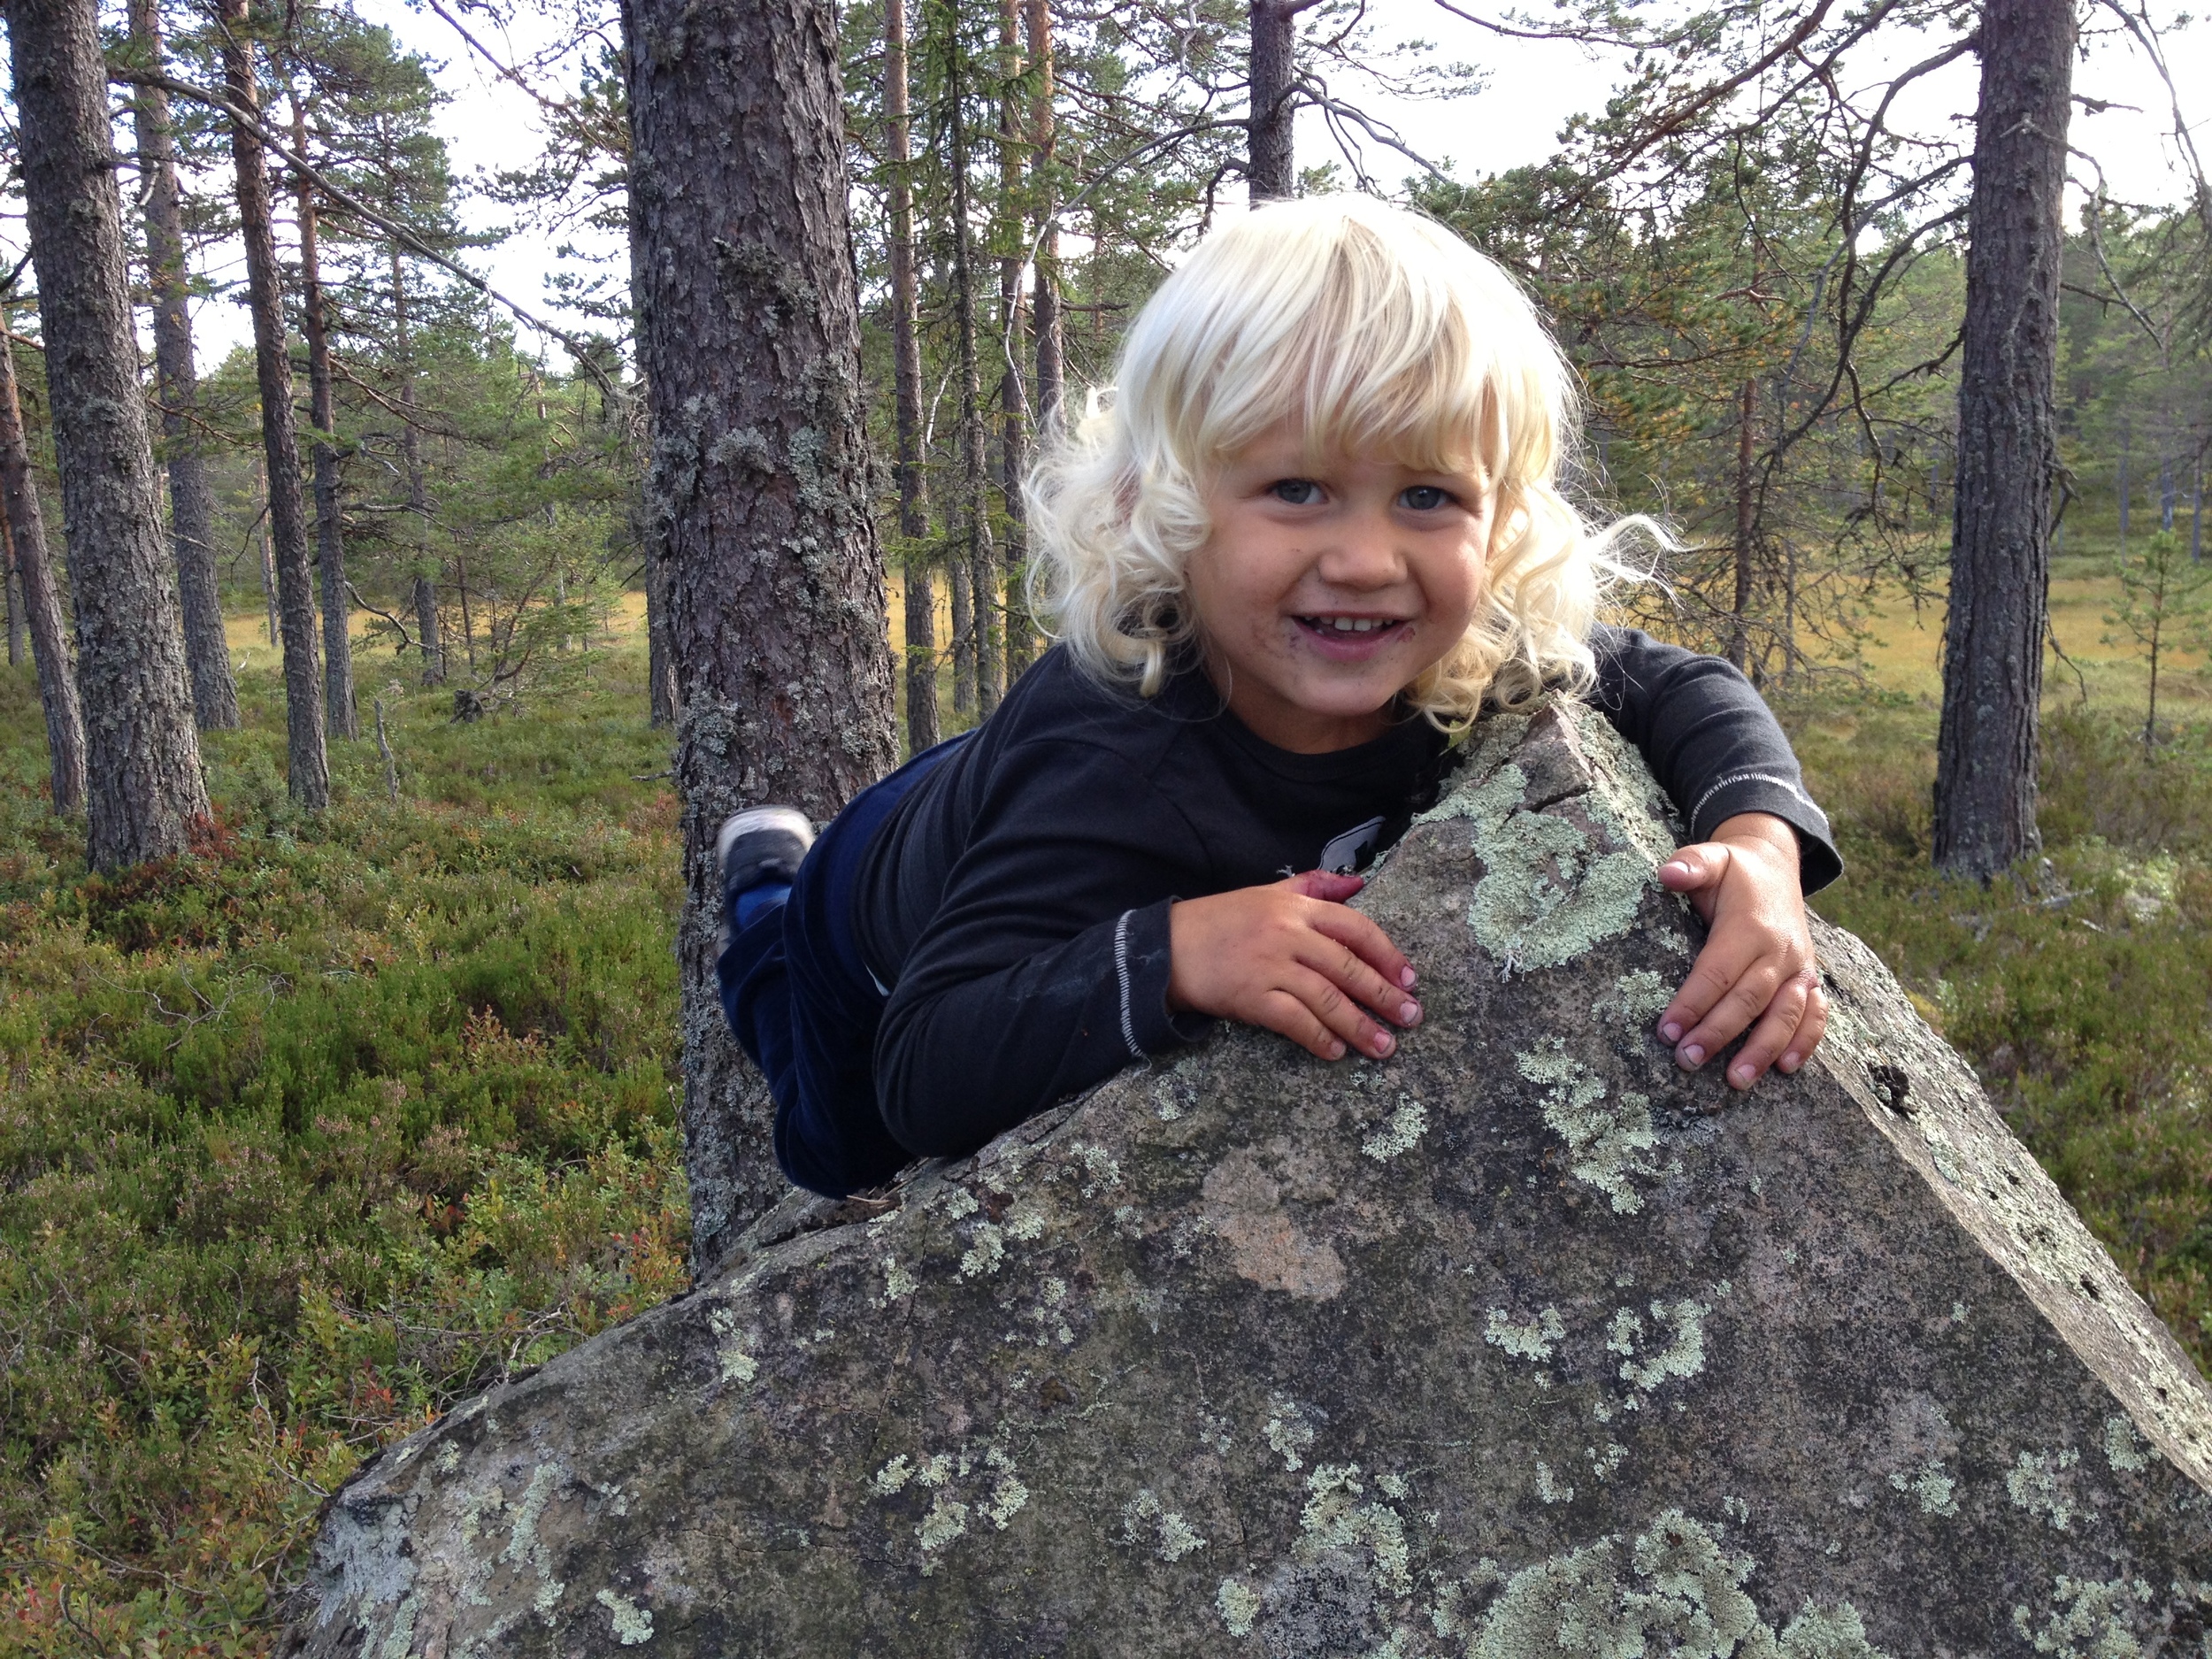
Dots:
pixel 1818 861
pixel 1142 965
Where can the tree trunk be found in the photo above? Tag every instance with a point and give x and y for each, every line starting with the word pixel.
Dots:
pixel 1271 169
pixel 761 477
pixel 425 568
pixel 974 543
pixel 14 593
pixel 141 755
pixel 906 379
pixel 1013 431
pixel 330 547
pixel 960 583
pixel 261 546
pixel 1739 613
pixel 1045 308
pixel 2008 455
pixel 191 504
pixel 308 761
pixel 50 639
pixel 660 658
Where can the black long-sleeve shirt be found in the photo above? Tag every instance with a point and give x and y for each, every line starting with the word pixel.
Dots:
pixel 1015 903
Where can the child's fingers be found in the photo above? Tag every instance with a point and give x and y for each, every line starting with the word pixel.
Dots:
pixel 1728 955
pixel 1282 1012
pixel 1337 1010
pixel 1773 1032
pixel 1326 886
pixel 1342 967
pixel 1810 1029
pixel 1700 865
pixel 1366 940
pixel 1743 1004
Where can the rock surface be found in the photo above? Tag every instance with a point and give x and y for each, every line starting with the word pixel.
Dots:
pixel 1522 1344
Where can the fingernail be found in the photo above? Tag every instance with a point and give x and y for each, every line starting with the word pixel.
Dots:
pixel 1790 1062
pixel 1410 1014
pixel 1336 1050
pixel 1677 865
pixel 1385 1042
pixel 1405 978
pixel 1741 1076
pixel 1693 1055
pixel 1672 1031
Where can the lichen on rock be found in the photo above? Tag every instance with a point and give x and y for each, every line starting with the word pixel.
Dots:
pixel 1524 1345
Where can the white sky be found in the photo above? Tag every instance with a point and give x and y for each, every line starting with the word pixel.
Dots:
pixel 1532 87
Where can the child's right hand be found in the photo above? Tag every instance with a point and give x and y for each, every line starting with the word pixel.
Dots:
pixel 1290 957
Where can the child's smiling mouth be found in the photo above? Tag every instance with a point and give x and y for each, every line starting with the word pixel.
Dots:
pixel 1346 636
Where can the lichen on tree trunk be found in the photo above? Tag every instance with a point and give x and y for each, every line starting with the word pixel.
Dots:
pixel 760 480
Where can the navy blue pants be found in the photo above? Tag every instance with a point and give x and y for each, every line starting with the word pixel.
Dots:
pixel 805 1006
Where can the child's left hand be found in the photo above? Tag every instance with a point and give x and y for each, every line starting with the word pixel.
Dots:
pixel 1757 962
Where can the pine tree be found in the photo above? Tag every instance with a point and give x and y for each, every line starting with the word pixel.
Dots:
pixel 30 563
pixel 144 793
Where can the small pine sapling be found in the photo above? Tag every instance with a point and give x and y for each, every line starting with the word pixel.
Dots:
pixel 2162 608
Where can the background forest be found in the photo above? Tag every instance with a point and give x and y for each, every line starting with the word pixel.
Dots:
pixel 371 1093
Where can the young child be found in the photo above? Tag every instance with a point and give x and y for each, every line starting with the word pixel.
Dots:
pixel 1317 528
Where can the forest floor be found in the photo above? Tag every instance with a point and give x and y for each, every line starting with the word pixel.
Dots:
pixel 335 1121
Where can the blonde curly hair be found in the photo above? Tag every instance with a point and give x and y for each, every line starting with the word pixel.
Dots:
pixel 1372 329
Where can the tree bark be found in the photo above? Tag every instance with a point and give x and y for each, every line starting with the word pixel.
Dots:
pixel 960 584
pixel 1013 425
pixel 191 503
pixel 2007 458
pixel 428 645
pixel 1045 325
pixel 261 547
pixel 1270 166
pixel 761 477
pixel 906 380
pixel 141 755
pixel 660 658
pixel 974 545
pixel 308 759
pixel 14 593
pixel 330 546
pixel 1739 614
pixel 26 528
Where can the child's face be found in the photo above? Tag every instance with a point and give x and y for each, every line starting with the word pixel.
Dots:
pixel 1328 586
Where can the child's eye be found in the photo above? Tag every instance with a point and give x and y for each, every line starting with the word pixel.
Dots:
pixel 1298 492
pixel 1425 497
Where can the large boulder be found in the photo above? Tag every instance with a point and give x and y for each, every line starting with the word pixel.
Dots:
pixel 1521 1344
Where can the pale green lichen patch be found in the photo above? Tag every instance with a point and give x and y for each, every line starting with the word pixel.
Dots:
pixel 1608 1142
pixel 1678 1591
pixel 2086 1620
pixel 1239 1606
pixel 1549 1488
pixel 1683 1324
pixel 1933 1486
pixel 633 1624
pixel 1287 1432
pixel 1547 895
pixel 1530 1340
pixel 897 1282
pixel 1404 1127
pixel 2038 1483
pixel 2123 1448
pixel 1636 998
pixel 1335 1518
pixel 1147 1524
pixel 987 1250
pixel 734 1364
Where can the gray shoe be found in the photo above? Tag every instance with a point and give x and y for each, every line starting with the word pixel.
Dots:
pixel 762 843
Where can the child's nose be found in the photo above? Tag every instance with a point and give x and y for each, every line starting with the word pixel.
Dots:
pixel 1364 553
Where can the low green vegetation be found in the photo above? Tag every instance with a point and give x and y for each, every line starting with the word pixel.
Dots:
pixel 311 1133
pixel 333 1122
